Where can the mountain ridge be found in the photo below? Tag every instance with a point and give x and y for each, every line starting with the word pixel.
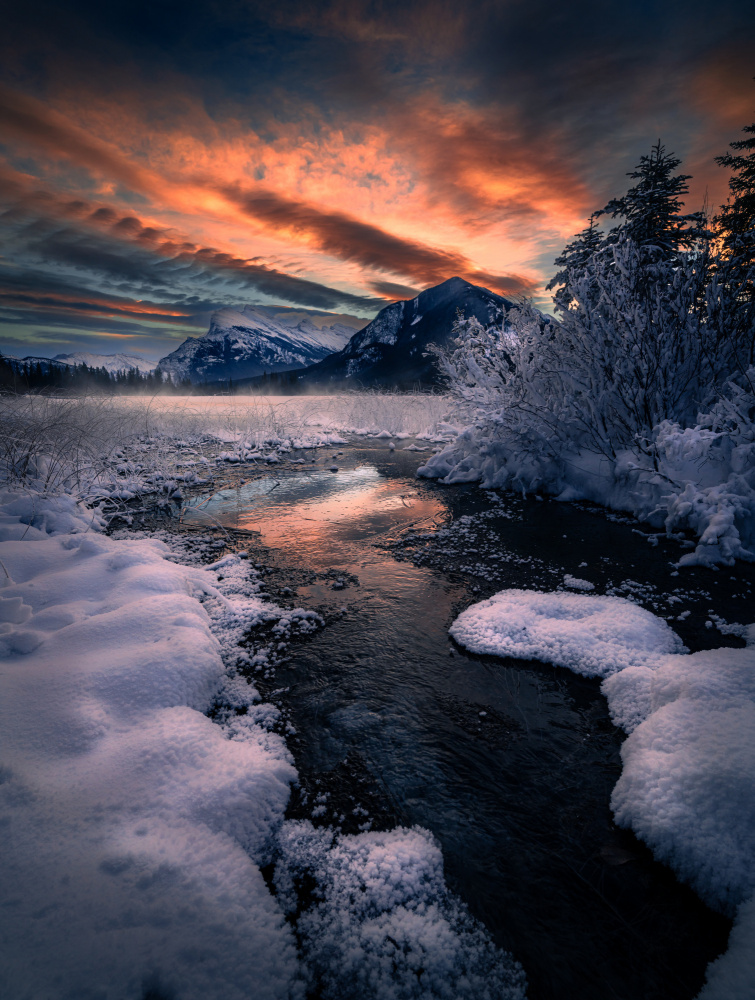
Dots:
pixel 391 351
pixel 242 343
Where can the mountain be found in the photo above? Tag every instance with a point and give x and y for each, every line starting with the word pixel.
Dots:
pixel 32 359
pixel 241 344
pixel 390 351
pixel 113 362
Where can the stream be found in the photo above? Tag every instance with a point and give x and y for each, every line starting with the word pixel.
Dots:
pixel 509 763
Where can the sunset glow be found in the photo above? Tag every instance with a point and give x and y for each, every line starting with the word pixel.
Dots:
pixel 323 159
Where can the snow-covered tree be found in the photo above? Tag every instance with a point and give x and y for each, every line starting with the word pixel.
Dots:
pixel 732 294
pixel 479 365
pixel 573 260
pixel 651 210
pixel 736 222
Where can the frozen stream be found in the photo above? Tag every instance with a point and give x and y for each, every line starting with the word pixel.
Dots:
pixel 509 763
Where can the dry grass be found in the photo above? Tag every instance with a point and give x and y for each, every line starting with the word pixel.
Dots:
pixel 74 445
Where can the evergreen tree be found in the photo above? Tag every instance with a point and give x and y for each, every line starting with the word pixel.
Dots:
pixel 736 222
pixel 652 208
pixel 732 295
pixel 573 260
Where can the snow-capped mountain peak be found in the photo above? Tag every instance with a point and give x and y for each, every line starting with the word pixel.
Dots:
pixel 112 362
pixel 241 343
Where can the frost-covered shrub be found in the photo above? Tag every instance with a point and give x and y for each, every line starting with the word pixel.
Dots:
pixel 61 445
pixel 605 401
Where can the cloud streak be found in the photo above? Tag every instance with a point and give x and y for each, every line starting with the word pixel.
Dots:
pixel 350 239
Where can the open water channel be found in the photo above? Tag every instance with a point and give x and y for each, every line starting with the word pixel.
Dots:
pixel 509 763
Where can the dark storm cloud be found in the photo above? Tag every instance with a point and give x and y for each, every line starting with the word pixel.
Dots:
pixel 573 92
pixel 26 118
pixel 392 290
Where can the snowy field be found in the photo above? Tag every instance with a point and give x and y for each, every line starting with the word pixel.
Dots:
pixel 105 448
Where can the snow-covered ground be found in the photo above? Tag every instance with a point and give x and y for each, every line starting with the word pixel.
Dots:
pixel 687 781
pixel 143 781
pixel 134 825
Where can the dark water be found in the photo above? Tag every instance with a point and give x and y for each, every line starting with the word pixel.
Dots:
pixel 510 763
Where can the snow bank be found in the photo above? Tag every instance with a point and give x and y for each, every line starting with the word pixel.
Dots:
pixel 134 826
pixel 686 786
pixel 381 922
pixel 697 479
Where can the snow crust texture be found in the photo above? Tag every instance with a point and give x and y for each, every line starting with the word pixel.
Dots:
pixel 593 636
pixel 686 786
pixel 382 923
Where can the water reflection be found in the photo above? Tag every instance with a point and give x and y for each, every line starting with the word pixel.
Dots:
pixel 317 507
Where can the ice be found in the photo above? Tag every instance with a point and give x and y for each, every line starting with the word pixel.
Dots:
pixel 686 786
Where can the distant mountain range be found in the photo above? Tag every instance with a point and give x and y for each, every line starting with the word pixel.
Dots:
pixel 255 344
pixel 257 339
pixel 112 362
pixel 391 350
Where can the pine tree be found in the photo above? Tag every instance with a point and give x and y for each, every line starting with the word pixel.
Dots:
pixel 732 296
pixel 736 222
pixel 652 208
pixel 573 260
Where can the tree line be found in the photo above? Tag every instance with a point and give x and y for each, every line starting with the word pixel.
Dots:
pixel 35 376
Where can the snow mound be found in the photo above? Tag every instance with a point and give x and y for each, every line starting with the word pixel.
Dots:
pixel 382 924
pixel 593 636
pixel 29 516
pixel 686 783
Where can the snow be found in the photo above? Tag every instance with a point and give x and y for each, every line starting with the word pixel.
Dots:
pixel 134 826
pixel 593 636
pixel 257 340
pixel 686 783
pixel 383 923
pixel 113 362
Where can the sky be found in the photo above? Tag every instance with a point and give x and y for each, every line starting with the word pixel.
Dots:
pixel 161 160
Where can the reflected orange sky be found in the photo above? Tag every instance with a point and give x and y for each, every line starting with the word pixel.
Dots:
pixel 319 509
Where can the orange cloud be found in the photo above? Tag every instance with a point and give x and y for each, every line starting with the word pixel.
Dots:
pixel 427 190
